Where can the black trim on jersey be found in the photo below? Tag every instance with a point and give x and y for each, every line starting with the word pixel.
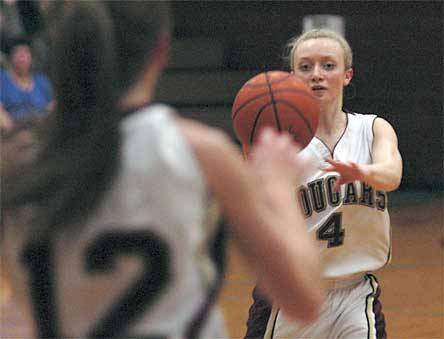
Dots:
pixel 389 256
pixel 274 323
pixel 373 125
pixel 340 138
pixel 258 316
pixel 218 254
pixel 134 109
pixel 371 294
pixel 346 110
pixel 373 132
pixel 379 328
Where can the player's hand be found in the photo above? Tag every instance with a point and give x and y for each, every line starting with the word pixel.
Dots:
pixel 348 172
pixel 277 155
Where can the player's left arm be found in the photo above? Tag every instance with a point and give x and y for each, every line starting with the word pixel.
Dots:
pixel 385 172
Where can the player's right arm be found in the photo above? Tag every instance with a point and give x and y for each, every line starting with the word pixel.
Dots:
pixel 259 201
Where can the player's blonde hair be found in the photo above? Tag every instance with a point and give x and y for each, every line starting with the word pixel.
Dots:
pixel 320 33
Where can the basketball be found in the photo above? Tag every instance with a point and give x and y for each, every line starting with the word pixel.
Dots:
pixel 276 99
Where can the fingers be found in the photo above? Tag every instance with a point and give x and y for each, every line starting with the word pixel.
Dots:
pixel 279 140
pixel 347 172
pixel 327 168
pixel 279 144
pixel 245 151
pixel 334 165
pixel 275 154
pixel 344 168
pixel 330 165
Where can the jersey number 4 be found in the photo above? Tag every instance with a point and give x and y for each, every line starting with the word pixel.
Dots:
pixel 100 257
pixel 332 231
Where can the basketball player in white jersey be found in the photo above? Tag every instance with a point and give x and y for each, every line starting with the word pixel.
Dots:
pixel 112 226
pixel 344 201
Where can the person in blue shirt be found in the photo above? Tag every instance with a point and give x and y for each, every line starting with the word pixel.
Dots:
pixel 23 94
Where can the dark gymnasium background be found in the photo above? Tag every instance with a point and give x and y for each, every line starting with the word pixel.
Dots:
pixel 398 74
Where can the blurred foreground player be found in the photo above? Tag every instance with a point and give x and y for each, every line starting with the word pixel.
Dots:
pixel 111 227
pixel 344 201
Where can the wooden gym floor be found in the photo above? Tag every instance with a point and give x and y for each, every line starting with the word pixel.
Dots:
pixel 412 284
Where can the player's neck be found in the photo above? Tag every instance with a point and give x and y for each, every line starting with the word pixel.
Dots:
pixel 331 119
pixel 331 125
pixel 140 93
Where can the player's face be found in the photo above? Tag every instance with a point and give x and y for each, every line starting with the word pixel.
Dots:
pixel 320 64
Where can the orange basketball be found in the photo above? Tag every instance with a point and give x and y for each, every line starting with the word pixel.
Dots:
pixel 277 99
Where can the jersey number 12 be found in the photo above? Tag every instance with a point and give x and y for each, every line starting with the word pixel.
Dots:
pixel 99 258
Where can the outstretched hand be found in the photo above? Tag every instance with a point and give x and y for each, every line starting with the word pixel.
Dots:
pixel 348 172
pixel 276 154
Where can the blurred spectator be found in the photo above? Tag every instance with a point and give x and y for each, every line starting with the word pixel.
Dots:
pixel 23 94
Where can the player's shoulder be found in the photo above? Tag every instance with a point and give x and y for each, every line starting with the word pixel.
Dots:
pixel 148 115
pixel 149 124
pixel 374 121
pixel 203 138
pixel 363 119
pixel 371 116
pixel 361 116
pixel 215 153
pixel 162 121
pixel 383 127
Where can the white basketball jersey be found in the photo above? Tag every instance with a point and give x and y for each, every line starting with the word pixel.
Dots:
pixel 352 226
pixel 141 265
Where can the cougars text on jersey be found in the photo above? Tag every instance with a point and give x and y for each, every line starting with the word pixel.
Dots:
pixel 318 194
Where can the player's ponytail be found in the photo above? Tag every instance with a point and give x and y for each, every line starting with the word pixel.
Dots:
pixel 84 66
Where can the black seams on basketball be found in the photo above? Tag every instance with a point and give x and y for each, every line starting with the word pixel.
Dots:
pixel 276 99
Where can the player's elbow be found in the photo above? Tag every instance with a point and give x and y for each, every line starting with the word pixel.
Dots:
pixel 395 174
pixel 311 312
pixel 397 179
pixel 394 186
pixel 387 179
pixel 393 183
